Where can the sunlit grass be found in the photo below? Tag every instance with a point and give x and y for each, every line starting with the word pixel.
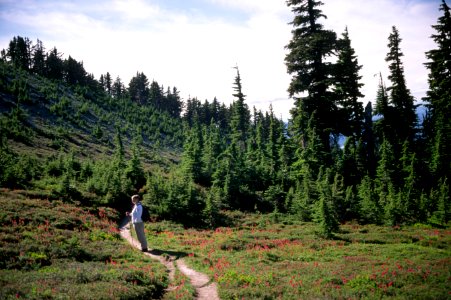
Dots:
pixel 260 259
pixel 51 249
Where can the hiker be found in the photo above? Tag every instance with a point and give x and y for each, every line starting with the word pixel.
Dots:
pixel 137 221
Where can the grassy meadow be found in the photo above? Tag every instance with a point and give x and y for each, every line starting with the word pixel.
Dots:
pixel 275 257
pixel 55 250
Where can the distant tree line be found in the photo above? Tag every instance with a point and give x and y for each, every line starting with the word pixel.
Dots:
pixel 23 54
pixel 334 160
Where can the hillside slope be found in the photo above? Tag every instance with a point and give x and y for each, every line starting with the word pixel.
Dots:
pixel 42 116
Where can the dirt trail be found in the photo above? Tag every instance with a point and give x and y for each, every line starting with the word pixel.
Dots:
pixel 205 290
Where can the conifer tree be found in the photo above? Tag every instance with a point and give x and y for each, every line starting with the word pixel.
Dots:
pixel 404 121
pixel 439 95
pixel 38 59
pixel 54 65
pixel 240 119
pixel 367 155
pixel 134 170
pixel 138 89
pixel 384 176
pixel 309 48
pixel 156 95
pixel 118 89
pixel 272 147
pixel 211 152
pixel 192 153
pixel 384 111
pixel 108 83
pixel 74 72
pixel 19 52
pixel 370 210
pixel 347 88
pixel 325 210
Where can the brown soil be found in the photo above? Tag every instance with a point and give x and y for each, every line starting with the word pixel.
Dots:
pixel 205 289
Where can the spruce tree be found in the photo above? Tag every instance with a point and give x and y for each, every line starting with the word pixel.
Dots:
pixel 439 96
pixel 370 210
pixel 192 154
pixel 54 65
pixel 118 89
pixel 211 152
pixel 325 210
pixel 347 88
pixel 384 112
pixel 108 83
pixel 311 80
pixel 19 52
pixel 38 59
pixel 367 155
pixel 138 89
pixel 240 120
pixel 404 120
pixel 385 176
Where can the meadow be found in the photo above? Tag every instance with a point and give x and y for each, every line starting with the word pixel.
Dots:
pixel 276 257
pixel 57 250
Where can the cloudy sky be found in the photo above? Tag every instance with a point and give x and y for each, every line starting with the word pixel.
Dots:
pixel 194 44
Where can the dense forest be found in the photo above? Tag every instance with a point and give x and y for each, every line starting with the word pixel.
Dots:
pixel 333 161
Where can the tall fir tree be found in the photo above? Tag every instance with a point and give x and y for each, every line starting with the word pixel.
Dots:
pixel 38 59
pixel 347 88
pixel 19 52
pixel 311 72
pixel 404 120
pixel 54 64
pixel 138 89
pixel 240 119
pixel 439 95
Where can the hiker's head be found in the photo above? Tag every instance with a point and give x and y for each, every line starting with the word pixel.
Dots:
pixel 135 199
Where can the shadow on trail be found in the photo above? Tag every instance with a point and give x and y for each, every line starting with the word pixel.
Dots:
pixel 167 253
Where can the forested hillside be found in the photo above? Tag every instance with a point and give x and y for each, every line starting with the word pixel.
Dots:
pixel 97 141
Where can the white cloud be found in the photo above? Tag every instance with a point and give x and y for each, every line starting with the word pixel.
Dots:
pixel 254 6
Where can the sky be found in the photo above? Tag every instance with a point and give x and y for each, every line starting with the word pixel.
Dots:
pixel 194 45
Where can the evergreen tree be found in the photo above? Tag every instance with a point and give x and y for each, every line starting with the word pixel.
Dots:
pixel 138 88
pixel 74 72
pixel 156 96
pixel 439 95
pixel 19 52
pixel 38 59
pixel 325 211
pixel 134 170
pixel 192 153
pixel 367 155
pixel 108 83
pixel 385 113
pixel 174 104
pixel 306 61
pixel 384 174
pixel 442 212
pixel 54 65
pixel 404 120
pixel 370 210
pixel 118 89
pixel 240 119
pixel 347 88
pixel 272 147
pixel 212 150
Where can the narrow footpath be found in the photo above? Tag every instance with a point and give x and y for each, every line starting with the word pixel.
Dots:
pixel 205 289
